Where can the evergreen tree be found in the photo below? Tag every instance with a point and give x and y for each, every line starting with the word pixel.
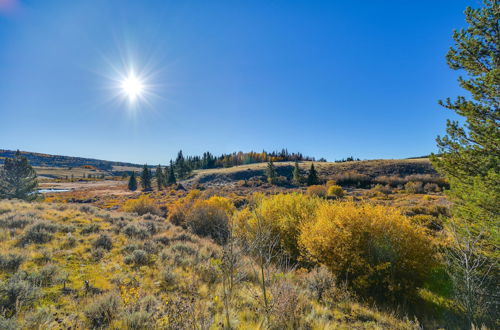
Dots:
pixel 271 172
pixel 18 179
pixel 470 159
pixel 312 178
pixel 470 153
pixel 132 182
pixel 180 166
pixel 160 180
pixel 146 178
pixel 297 177
pixel 171 174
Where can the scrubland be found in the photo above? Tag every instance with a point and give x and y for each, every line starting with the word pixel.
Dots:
pixel 357 244
pixel 364 250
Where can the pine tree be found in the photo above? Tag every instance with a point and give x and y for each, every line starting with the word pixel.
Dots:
pixel 171 174
pixel 181 167
pixel 297 177
pixel 146 178
pixel 470 159
pixel 18 179
pixel 132 182
pixel 160 180
pixel 271 172
pixel 312 177
pixel 470 153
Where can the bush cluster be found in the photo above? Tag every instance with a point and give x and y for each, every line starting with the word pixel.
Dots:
pixel 317 191
pixel 38 233
pixel 141 206
pixel 204 217
pixel 377 248
pixel 10 262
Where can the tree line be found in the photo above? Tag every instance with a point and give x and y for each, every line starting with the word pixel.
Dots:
pixel 182 167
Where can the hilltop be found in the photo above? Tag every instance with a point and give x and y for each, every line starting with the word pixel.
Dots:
pixel 47 160
pixel 365 171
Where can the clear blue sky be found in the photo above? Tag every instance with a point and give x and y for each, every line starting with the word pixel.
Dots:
pixel 326 78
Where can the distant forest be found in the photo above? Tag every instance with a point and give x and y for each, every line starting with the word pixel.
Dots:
pixel 207 160
pixel 38 159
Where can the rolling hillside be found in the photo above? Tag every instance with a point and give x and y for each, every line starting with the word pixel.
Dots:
pixel 46 160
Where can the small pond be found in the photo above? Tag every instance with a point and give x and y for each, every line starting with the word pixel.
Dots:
pixel 45 191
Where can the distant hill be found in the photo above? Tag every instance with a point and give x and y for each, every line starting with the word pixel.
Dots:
pixel 45 160
pixel 383 171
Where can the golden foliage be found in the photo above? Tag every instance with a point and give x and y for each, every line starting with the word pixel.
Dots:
pixel 377 248
pixel 141 205
pixel 284 213
pixel 335 191
pixel 316 190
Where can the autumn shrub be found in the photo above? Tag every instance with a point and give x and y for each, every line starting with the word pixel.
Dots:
pixel 178 210
pixel 282 213
pixel 141 206
pixel 428 221
pixel 379 188
pixel 330 183
pixel 353 179
pixel 379 251
pixel 103 310
pixel 335 191
pixel 414 187
pixel 204 217
pixel 391 181
pixel 431 187
pixel 208 221
pixel 317 191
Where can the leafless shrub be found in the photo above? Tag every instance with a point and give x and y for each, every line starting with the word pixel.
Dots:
pixel 286 306
pixel 319 281
pixel 473 276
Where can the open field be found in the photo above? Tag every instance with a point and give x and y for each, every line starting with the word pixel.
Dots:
pixel 82 267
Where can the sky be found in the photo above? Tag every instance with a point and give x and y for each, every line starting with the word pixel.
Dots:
pixel 326 78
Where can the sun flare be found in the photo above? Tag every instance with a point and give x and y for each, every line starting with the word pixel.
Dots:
pixel 132 86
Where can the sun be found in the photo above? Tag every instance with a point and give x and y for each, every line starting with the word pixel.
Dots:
pixel 132 86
